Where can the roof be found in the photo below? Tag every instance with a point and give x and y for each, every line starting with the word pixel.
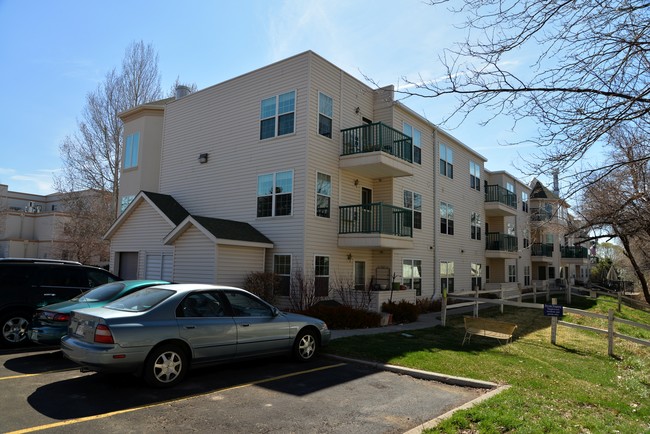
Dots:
pixel 539 191
pixel 222 231
pixel 168 205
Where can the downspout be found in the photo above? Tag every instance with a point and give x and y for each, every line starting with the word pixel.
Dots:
pixel 436 217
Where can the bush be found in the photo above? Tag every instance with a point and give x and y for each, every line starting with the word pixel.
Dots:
pixel 426 305
pixel 262 284
pixel 344 317
pixel 402 311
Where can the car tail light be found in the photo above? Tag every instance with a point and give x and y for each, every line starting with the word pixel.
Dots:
pixel 103 334
pixel 63 317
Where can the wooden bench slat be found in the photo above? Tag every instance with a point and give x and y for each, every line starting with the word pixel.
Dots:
pixel 488 327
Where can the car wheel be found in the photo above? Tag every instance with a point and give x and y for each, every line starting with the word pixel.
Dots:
pixel 305 346
pixel 14 328
pixel 165 366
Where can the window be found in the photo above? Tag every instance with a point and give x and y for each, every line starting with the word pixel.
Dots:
pixel 324 115
pixel 510 187
pixel 512 273
pixel 475 222
pixel 476 276
pixel 131 150
pixel 474 176
pixel 412 275
pixel 446 161
pixel 359 275
pixel 243 304
pixel 274 194
pixel 413 201
pixel 321 276
pixel 277 115
pixel 323 193
pixel 282 269
pixel 551 272
pixel 447 276
pixel 526 275
pixel 125 201
pixel 446 218
pixel 416 136
pixel 524 201
pixel 526 237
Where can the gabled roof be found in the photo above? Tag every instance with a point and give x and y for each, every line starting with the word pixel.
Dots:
pixel 221 231
pixel 539 191
pixel 170 210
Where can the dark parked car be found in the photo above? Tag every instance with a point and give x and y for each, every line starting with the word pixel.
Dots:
pixel 27 284
pixel 158 332
pixel 50 323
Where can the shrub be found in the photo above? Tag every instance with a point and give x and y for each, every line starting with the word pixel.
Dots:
pixel 426 305
pixel 262 285
pixel 344 317
pixel 402 311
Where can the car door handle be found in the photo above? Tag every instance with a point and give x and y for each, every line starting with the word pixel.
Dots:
pixel 190 327
pixel 245 325
pixel 49 295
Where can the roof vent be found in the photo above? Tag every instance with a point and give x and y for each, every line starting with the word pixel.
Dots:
pixel 182 91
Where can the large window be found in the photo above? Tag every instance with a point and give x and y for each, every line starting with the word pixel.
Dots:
pixel 526 275
pixel 324 115
pixel 321 276
pixel 446 161
pixel 274 192
pixel 475 221
pixel 359 275
pixel 524 201
pixel 131 150
pixel 412 274
pixel 474 176
pixel 125 201
pixel 447 276
pixel 476 276
pixel 413 201
pixel 323 194
pixel 446 218
pixel 416 136
pixel 282 269
pixel 277 115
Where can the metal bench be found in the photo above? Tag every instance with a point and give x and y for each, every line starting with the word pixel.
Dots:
pixel 491 328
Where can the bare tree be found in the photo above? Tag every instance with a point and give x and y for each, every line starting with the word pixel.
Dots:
pixel 190 86
pixel 92 155
pixel 592 73
pixel 617 203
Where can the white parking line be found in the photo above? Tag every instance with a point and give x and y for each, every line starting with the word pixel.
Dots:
pixel 13 377
pixel 144 407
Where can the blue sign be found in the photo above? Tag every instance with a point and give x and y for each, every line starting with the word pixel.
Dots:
pixel 553 310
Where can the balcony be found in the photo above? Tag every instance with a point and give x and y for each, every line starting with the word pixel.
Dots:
pixel 498 245
pixel 541 252
pixel 580 254
pixel 376 151
pixel 499 201
pixel 540 215
pixel 375 226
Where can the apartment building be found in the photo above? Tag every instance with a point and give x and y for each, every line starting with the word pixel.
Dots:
pixel 301 169
pixel 35 226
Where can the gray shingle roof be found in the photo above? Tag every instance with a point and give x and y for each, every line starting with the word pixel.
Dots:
pixel 231 230
pixel 168 205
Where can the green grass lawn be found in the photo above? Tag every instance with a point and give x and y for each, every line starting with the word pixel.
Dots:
pixel 570 387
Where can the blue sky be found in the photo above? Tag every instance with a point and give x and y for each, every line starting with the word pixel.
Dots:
pixel 52 53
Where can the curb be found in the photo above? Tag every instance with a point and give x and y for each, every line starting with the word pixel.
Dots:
pixel 423 375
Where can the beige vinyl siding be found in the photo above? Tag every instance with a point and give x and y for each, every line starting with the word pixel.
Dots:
pixel 142 232
pixel 234 263
pixel 195 259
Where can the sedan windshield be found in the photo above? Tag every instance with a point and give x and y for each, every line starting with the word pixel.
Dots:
pixel 101 293
pixel 141 300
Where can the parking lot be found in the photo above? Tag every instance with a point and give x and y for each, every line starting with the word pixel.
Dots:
pixel 41 391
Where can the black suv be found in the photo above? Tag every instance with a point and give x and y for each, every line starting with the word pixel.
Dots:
pixel 27 284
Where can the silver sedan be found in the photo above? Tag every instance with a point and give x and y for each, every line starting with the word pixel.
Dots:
pixel 158 332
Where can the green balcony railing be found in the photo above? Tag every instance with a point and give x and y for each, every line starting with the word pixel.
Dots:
pixel 500 242
pixel 577 252
pixel 496 193
pixel 377 137
pixel 541 249
pixel 375 218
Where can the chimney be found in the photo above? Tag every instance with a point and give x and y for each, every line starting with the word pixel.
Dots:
pixel 182 91
pixel 556 182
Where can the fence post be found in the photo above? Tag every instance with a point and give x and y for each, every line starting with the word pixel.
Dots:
pixel 548 291
pixel 535 292
pixel 443 308
pixel 501 295
pixel 475 303
pixel 553 325
pixel 620 300
pixel 568 293
pixel 610 333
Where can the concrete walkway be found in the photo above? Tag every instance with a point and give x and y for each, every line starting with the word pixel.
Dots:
pixel 424 321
